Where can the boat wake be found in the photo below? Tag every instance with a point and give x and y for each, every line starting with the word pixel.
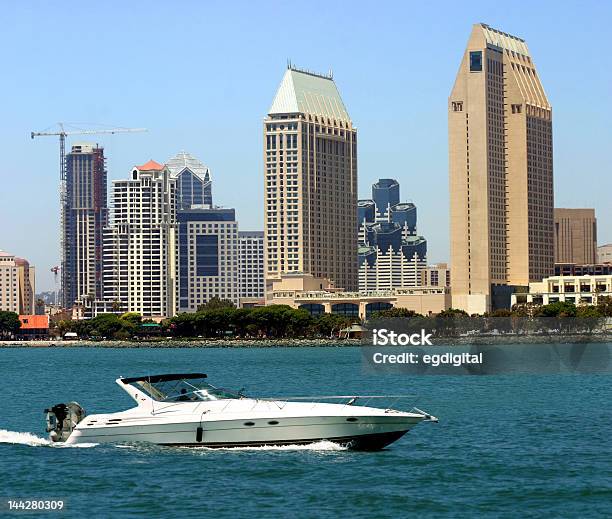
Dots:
pixel 26 438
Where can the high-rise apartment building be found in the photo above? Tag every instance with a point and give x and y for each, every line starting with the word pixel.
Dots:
pixel 139 244
pixel 193 181
pixel 310 182
pixel 501 172
pixel 390 253
pixel 575 236
pixel 17 284
pixel 85 216
pixel 207 257
pixel 251 265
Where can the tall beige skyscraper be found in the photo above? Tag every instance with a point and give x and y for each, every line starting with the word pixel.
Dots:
pixel 575 236
pixel 501 172
pixel 310 162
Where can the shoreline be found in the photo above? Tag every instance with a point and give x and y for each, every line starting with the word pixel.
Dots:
pixel 304 343
pixel 184 343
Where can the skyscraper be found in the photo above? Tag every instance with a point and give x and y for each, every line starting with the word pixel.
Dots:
pixel 207 259
pixel 310 179
pixel 86 215
pixel 385 194
pixel 501 172
pixel 575 236
pixel 139 244
pixel 193 181
pixel 391 255
pixel 251 265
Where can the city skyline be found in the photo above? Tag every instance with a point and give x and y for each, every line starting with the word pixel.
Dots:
pixel 184 113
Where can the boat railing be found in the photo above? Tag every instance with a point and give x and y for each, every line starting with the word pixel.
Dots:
pixel 348 400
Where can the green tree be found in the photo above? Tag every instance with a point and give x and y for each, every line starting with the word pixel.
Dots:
pixel 216 303
pixel 181 325
pixel 557 309
pixel 214 323
pixel 393 313
pixel 604 305
pixel 451 322
pixel 110 325
pixel 132 317
pixel 501 312
pixel 327 325
pixel 588 317
pixel 9 324
pixel 242 322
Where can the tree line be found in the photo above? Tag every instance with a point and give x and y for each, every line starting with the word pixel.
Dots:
pixel 216 319
pixel 220 318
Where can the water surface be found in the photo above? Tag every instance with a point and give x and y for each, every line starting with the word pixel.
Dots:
pixel 506 445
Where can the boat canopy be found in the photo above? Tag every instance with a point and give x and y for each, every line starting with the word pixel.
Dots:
pixel 163 378
pixel 182 387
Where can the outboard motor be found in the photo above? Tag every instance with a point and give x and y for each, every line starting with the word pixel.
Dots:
pixel 62 419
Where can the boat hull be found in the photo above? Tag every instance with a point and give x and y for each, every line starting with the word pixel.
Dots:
pixel 364 442
pixel 355 432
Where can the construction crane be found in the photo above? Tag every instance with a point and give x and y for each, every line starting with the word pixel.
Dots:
pixel 55 270
pixel 62 134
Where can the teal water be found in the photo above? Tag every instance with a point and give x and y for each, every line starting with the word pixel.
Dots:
pixel 506 445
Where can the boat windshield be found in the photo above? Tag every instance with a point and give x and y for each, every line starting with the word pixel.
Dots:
pixel 183 390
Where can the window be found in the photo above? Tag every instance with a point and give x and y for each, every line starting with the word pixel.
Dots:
pixel 516 109
pixel 207 255
pixel 476 61
pixel 457 106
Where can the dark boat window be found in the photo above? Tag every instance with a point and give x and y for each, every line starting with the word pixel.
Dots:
pixel 249 424
pixel 272 422
pixel 181 388
pixel 351 419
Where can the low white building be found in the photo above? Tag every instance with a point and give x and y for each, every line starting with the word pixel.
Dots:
pixel 572 289
pixel 317 296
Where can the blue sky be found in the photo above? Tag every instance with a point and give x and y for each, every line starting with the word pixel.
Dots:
pixel 201 76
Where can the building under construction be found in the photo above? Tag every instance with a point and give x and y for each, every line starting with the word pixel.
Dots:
pixel 85 216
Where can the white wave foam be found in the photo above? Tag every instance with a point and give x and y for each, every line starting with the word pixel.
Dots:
pixel 74 445
pixel 318 446
pixel 26 438
pixel 23 438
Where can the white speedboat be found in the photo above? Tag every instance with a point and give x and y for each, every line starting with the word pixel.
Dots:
pixel 185 410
